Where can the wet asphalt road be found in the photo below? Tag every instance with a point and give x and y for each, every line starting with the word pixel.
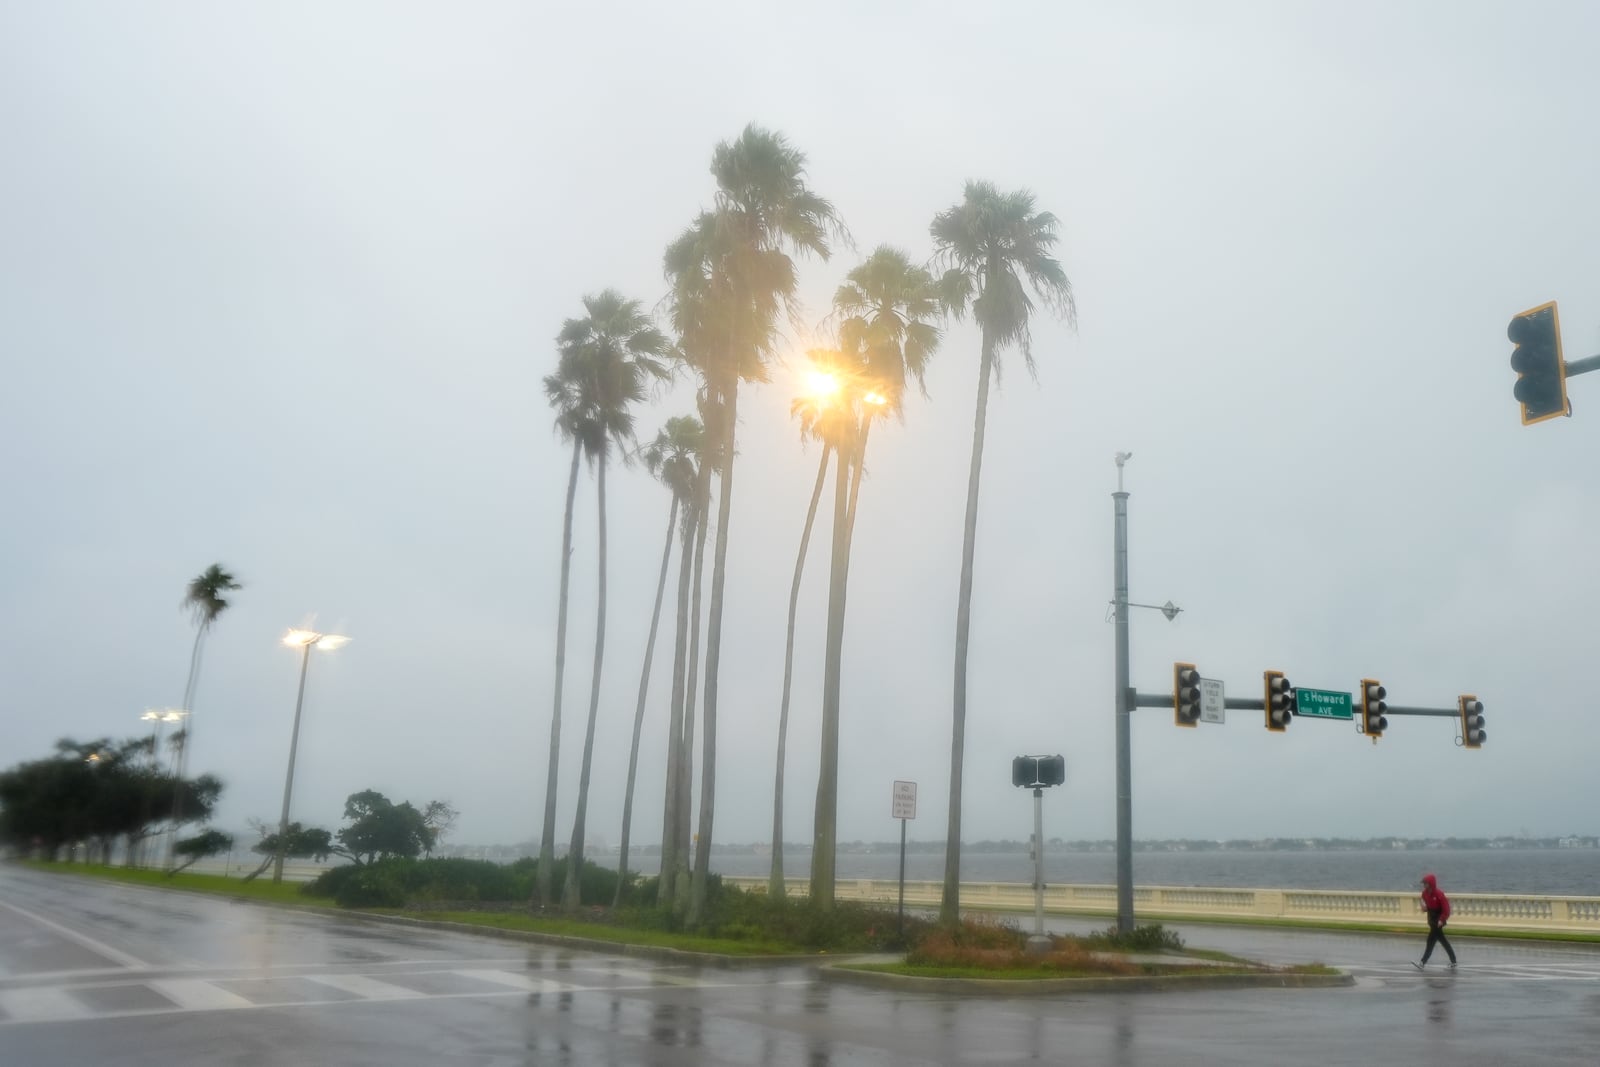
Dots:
pixel 95 973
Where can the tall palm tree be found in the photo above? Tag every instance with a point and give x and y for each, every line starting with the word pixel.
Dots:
pixel 671 459
pixel 996 248
pixel 564 392
pixel 885 306
pixel 732 268
pixel 205 600
pixel 820 419
pixel 613 353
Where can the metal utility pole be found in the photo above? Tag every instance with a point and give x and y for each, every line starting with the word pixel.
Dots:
pixel 288 780
pixel 1038 943
pixel 1124 707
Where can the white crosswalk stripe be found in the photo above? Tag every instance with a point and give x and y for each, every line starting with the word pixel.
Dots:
pixel 363 986
pixel 42 1004
pixel 69 998
pixel 192 995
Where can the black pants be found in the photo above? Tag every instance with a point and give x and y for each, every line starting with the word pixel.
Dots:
pixel 1436 937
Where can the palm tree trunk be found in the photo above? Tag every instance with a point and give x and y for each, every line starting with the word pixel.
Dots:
pixel 547 838
pixel 644 689
pixel 570 898
pixel 950 902
pixel 686 757
pixel 775 879
pixel 680 655
pixel 825 821
pixel 708 726
pixel 182 761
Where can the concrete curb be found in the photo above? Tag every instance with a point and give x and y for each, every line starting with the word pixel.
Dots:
pixel 1023 987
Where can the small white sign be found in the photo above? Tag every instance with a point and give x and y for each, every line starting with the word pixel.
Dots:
pixel 905 800
pixel 1211 700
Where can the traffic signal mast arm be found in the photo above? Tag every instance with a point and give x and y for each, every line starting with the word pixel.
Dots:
pixel 1164 700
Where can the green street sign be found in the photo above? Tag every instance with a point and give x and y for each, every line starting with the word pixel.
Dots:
pixel 1323 704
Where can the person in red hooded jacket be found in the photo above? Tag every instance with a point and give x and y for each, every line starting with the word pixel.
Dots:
pixel 1437 905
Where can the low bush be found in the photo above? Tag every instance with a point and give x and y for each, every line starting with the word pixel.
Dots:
pixel 1147 937
pixel 399 883
pixel 981 945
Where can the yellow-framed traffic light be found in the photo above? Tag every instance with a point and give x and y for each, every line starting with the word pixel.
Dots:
pixel 1373 722
pixel 1277 698
pixel 1185 694
pixel 1541 388
pixel 1470 708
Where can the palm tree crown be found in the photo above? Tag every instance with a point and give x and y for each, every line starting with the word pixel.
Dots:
pixel 607 360
pixel 204 598
pixel 672 457
pixel 885 304
pixel 991 243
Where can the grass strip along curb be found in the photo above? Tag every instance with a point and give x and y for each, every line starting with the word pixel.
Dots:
pixel 502 925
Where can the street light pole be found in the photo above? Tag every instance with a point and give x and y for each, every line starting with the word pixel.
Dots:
pixel 305 640
pixel 288 779
pixel 1124 709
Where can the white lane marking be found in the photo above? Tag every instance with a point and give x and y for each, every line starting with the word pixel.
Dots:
pixel 100 947
pixel 363 986
pixel 518 981
pixel 37 1005
pixel 191 994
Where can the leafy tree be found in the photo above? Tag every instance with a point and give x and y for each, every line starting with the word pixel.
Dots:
pixel 612 356
pixel 300 842
pixel 671 459
pixel 194 849
pixel 92 793
pixel 439 817
pixel 380 829
pixel 205 601
pixel 995 248
pixel 730 277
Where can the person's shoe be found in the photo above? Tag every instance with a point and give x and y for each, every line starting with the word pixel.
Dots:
pixel 1417 965
pixel 1452 965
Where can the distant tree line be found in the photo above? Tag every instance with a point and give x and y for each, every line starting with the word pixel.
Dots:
pixel 96 794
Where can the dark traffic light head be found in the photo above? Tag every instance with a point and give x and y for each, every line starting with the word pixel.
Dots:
pixel 1278 700
pixel 1470 709
pixel 1373 722
pixel 1185 694
pixel 1541 387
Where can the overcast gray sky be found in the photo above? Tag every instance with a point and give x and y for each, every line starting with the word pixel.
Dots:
pixel 278 283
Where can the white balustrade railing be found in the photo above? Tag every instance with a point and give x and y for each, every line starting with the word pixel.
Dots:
pixel 1470 911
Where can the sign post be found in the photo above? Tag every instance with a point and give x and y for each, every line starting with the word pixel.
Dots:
pixel 1213 700
pixel 904 808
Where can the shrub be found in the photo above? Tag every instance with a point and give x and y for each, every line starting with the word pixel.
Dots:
pixel 1147 937
pixel 376 885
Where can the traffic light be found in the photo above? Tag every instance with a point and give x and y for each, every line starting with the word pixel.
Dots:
pixel 1185 694
pixel 1373 722
pixel 1541 386
pixel 1473 734
pixel 1032 772
pixel 1278 699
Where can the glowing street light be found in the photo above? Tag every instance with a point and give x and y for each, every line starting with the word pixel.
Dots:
pixel 305 641
pixel 821 384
